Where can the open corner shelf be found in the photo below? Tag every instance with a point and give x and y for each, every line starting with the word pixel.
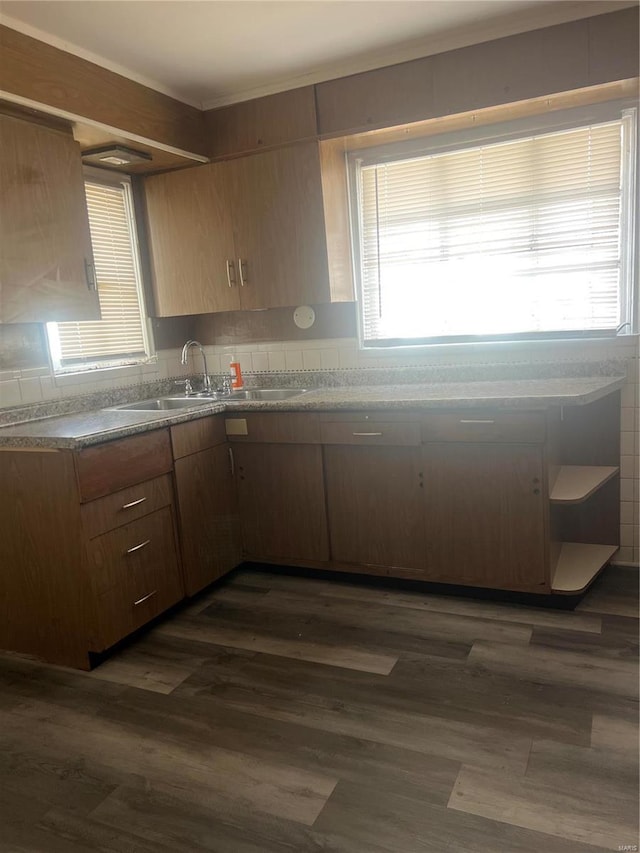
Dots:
pixel 578 564
pixel 576 483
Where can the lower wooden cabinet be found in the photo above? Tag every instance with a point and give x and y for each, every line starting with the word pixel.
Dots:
pixel 281 501
pixel 90 549
pixel 374 504
pixel 88 546
pixel 209 523
pixel 209 526
pixel 484 515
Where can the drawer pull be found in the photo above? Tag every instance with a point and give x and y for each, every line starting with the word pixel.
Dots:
pixel 137 547
pixel 133 503
pixel 366 433
pixel 477 422
pixel 145 598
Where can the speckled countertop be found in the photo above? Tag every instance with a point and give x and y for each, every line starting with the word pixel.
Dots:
pixel 87 428
pixel 511 394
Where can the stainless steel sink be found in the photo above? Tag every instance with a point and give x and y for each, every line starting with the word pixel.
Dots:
pixel 164 404
pixel 264 394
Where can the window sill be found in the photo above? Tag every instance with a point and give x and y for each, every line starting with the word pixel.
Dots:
pixel 98 373
pixel 498 349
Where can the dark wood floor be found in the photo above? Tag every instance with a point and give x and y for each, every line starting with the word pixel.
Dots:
pixel 277 713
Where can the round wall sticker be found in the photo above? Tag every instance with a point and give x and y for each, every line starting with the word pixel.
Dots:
pixel 304 316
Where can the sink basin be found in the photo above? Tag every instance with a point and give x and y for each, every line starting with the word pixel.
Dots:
pixel 265 394
pixel 164 404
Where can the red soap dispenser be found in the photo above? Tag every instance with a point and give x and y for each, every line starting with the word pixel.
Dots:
pixel 236 373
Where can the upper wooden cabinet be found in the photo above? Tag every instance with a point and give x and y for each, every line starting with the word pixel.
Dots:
pixel 46 262
pixel 191 239
pixel 261 123
pixel 242 234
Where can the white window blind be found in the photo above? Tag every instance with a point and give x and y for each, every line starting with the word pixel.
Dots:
pixel 513 239
pixel 120 336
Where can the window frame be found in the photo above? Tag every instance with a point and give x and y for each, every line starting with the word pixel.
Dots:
pixel 458 140
pixel 113 179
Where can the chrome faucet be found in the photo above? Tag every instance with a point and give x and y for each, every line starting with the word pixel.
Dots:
pixel 206 379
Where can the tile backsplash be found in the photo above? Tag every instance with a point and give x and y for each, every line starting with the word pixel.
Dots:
pixel 339 361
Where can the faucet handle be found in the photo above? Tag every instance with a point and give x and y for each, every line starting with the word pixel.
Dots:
pixel 188 388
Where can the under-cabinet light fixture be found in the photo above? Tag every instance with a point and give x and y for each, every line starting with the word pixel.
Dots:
pixel 115 155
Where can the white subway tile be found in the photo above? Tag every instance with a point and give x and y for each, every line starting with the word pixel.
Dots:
pixel 246 362
pixel 627 443
pixel 10 393
pixel 260 361
pixel 293 360
pixel 626 489
pixel 8 375
pixel 626 512
pixel 626 534
pixel 31 372
pixel 628 466
pixel 277 361
pixel 624 554
pixel 214 363
pixel 628 395
pixel 628 419
pixel 311 359
pixel 347 357
pixel 48 387
pixel 330 359
pixel 31 390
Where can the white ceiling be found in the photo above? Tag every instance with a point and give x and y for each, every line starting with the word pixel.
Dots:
pixel 213 52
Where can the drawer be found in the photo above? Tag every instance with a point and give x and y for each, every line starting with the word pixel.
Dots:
pixel 115 465
pixel 194 436
pixel 134 584
pixel 484 426
pixel 133 550
pixel 126 506
pixel 274 428
pixel 371 433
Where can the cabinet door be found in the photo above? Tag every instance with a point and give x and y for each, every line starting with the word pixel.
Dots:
pixel 44 227
pixel 209 523
pixel 374 498
pixel 191 240
pixel 280 228
pixel 485 515
pixel 281 501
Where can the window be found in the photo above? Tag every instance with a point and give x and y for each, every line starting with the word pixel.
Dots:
pixel 520 236
pixel 122 335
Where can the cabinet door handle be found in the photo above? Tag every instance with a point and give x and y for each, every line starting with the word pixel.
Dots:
pixel 242 270
pixel 478 421
pixel 231 274
pixel 232 464
pixel 133 503
pixel 145 598
pixel 366 433
pixel 90 275
pixel 138 547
